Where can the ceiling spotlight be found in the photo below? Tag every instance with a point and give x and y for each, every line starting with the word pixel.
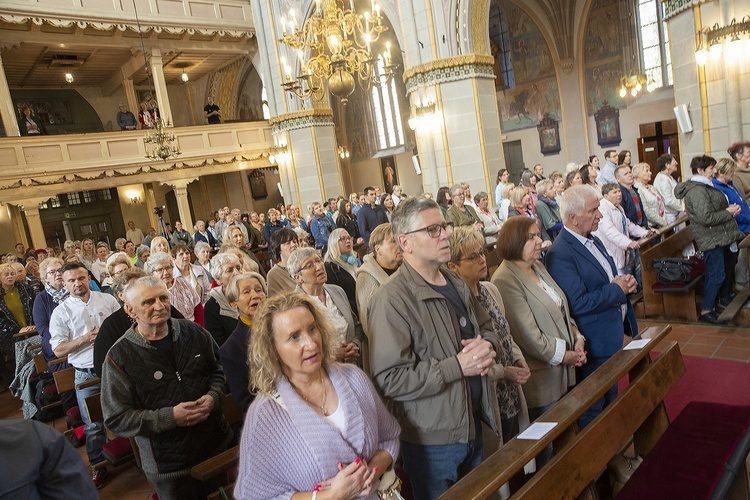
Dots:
pixel 184 77
pixel 69 77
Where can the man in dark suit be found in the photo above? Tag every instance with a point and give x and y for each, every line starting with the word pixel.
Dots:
pixel 598 300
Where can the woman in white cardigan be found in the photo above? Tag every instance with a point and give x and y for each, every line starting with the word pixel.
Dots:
pixel 615 229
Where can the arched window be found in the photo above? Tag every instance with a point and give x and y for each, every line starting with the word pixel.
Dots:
pixel 654 42
pixel 387 111
pixel 264 99
pixel 500 46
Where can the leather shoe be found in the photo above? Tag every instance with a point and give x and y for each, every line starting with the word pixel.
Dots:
pixel 99 476
pixel 711 317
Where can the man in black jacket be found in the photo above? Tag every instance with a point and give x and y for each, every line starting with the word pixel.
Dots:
pixel 370 215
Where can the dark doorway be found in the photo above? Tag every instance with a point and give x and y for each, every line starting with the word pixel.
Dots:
pixel 513 159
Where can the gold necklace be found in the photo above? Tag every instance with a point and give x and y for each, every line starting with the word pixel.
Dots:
pixel 322 407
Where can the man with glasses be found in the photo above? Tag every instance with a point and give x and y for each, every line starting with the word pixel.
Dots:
pixel 73 327
pixel 433 347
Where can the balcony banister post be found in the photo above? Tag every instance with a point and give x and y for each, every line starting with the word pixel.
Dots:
pixel 9 114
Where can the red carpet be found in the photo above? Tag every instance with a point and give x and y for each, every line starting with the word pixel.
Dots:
pixel 712 380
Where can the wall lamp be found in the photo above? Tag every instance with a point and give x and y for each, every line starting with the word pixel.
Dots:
pixel 424 116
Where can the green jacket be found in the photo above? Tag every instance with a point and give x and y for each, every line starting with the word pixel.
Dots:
pixel 458 218
pixel 706 206
pixel 414 340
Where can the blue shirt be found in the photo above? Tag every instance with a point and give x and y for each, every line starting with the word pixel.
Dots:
pixel 734 196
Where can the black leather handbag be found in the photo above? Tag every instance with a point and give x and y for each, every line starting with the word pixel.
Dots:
pixel 672 271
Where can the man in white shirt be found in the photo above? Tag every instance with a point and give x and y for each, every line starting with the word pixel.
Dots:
pixel 396 195
pixel 134 234
pixel 665 184
pixel 73 328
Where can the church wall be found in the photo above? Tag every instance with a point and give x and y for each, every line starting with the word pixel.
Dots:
pixel 368 173
pixel 137 212
pixel 106 106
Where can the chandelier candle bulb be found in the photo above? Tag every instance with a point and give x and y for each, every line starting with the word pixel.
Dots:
pixel 283 25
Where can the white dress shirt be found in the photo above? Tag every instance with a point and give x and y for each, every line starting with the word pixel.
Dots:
pixel 74 318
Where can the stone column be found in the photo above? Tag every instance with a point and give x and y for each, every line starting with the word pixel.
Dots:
pixel 314 168
pixel 133 105
pixel 466 144
pixel 183 204
pixel 34 221
pixel 160 86
pixel 8 113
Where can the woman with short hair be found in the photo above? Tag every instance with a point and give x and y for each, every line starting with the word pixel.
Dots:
pixel 16 304
pixel 195 275
pixel 181 294
pixel 308 269
pixel 221 318
pixel 283 243
pixel 245 292
pixel 159 244
pixel 653 205
pixel 203 257
pixel 142 253
pixel 488 218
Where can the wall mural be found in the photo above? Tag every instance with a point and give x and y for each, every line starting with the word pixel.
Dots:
pixel 536 92
pixel 602 52
pixel 250 97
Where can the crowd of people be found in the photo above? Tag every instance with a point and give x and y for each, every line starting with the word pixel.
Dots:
pixel 372 336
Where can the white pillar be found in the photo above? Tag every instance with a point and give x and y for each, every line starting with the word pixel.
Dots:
pixel 8 113
pixel 160 86
pixel 133 105
pixel 34 222
pixel 183 203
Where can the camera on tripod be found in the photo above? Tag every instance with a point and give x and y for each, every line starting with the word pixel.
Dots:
pixel 159 211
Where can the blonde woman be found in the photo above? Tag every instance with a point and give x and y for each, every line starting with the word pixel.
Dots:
pixel 341 264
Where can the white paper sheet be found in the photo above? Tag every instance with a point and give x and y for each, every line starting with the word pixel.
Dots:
pixel 636 344
pixel 537 430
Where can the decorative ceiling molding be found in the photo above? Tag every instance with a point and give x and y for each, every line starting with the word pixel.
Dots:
pixel 103 26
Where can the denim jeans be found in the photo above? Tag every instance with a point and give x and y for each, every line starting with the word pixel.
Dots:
pixel 595 409
pixel 720 263
pixel 432 469
pixel 95 436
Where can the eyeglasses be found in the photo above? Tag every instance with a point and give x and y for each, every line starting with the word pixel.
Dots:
pixel 458 195
pixel 163 270
pixel 433 230
pixel 53 271
pixel 312 264
pixel 476 258
pixel 345 238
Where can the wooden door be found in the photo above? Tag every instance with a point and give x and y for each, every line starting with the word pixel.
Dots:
pixel 97 228
pixel 513 159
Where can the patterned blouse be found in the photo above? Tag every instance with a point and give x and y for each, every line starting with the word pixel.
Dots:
pixel 507 393
pixel 184 297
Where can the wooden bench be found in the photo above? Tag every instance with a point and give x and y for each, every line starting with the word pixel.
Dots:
pixel 117 450
pixel 221 463
pixel 670 303
pixel 504 464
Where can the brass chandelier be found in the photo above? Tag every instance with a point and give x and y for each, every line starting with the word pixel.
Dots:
pixel 165 142
pixel 337 42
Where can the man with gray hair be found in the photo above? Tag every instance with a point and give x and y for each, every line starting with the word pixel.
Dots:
pixel 434 347
pixel 581 266
pixel 163 385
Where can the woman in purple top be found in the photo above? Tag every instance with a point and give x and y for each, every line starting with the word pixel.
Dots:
pixel 315 426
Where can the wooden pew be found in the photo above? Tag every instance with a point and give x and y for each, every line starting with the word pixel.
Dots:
pixel 501 466
pixel 224 461
pixel 668 303
pixel 118 450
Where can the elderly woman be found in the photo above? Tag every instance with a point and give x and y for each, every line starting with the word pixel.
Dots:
pixel 192 273
pixel 528 180
pixel 200 234
pixel 310 406
pixel 245 292
pixel 714 224
pixel 308 269
pixel 283 243
pixel 203 257
pixel 143 253
pixel 385 259
pixel 468 260
pixel 653 205
pixel 502 209
pixel 181 294
pixel 32 270
pixel 234 236
pixel 159 244
pixel 54 293
pixel 116 263
pixel 539 318
pixel 487 217
pixel 520 203
pixel 16 302
pixel 461 214
pixel 163 385
pixel 546 208
pixel 341 265
pixel 220 316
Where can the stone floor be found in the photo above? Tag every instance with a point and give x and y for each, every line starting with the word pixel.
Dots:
pixel 732 343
